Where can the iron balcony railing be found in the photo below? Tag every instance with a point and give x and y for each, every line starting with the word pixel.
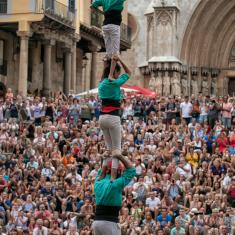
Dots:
pixel 3 67
pixel 125 33
pixel 97 18
pixel 3 6
pixel 56 11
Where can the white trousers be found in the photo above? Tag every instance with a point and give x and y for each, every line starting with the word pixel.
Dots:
pixel 111 127
pixel 106 228
pixel 111 34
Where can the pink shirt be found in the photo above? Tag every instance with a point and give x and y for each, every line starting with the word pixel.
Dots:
pixel 227 106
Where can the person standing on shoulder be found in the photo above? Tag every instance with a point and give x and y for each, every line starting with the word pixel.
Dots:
pixel 111 28
pixel 110 121
pixel 109 199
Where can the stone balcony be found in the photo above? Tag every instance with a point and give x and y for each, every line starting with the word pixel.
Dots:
pixel 57 11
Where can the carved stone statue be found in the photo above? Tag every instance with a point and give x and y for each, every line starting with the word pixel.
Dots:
pixel 176 86
pixel 214 86
pixel 226 81
pixel 152 83
pixel 158 84
pixel 205 86
pixel 166 85
pixel 184 84
pixel 194 86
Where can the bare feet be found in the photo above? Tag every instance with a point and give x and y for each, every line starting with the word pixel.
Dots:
pixel 113 174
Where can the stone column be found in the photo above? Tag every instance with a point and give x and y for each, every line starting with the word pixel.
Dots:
pixel 74 67
pixel 84 73
pixel 79 71
pixel 209 83
pixel 23 67
pixel 67 71
pixel 93 69
pixel 189 81
pixel 200 79
pixel 94 49
pixel 46 86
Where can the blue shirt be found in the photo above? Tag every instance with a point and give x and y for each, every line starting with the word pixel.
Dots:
pixel 164 222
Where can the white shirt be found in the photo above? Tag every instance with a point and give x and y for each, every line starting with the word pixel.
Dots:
pixel 138 170
pixel 127 111
pixel 93 173
pixel 186 109
pixel 152 203
pixel 34 165
pixel 39 141
pixel 78 177
pixel 227 180
pixel 72 222
pixel 181 171
pixel 44 231
pixel 137 184
pixel 37 111
pixel 47 172
pixel 151 147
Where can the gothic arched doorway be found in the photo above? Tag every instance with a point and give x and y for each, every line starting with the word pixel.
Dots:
pixel 209 38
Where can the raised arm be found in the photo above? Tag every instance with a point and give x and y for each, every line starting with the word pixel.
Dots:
pixel 126 162
pixel 125 67
pixel 127 176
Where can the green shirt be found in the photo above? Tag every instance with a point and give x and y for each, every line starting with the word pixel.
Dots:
pixel 176 232
pixel 110 193
pixel 112 89
pixel 108 5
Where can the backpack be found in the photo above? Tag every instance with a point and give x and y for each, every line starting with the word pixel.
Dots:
pixel 13 111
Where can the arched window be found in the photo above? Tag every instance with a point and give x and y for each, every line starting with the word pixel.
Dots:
pixel 3 6
pixel 72 6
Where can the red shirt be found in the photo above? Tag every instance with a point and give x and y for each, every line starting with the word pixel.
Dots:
pixel 223 143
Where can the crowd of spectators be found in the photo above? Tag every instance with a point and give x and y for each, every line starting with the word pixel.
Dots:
pixel 183 149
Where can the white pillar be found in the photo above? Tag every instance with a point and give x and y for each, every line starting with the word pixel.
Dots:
pixel 67 71
pixel 23 67
pixel 46 87
pixel 74 67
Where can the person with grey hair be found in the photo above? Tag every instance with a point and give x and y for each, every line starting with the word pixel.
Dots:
pixel 40 229
pixel 177 229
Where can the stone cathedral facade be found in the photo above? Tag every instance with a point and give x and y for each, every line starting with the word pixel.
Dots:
pixel 183 47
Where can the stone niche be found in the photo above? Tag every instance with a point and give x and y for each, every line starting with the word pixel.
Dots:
pixel 165 77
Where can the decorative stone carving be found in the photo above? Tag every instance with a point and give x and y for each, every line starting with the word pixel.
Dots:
pixel 205 86
pixel 166 85
pixel 176 86
pixel 163 18
pixel 149 22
